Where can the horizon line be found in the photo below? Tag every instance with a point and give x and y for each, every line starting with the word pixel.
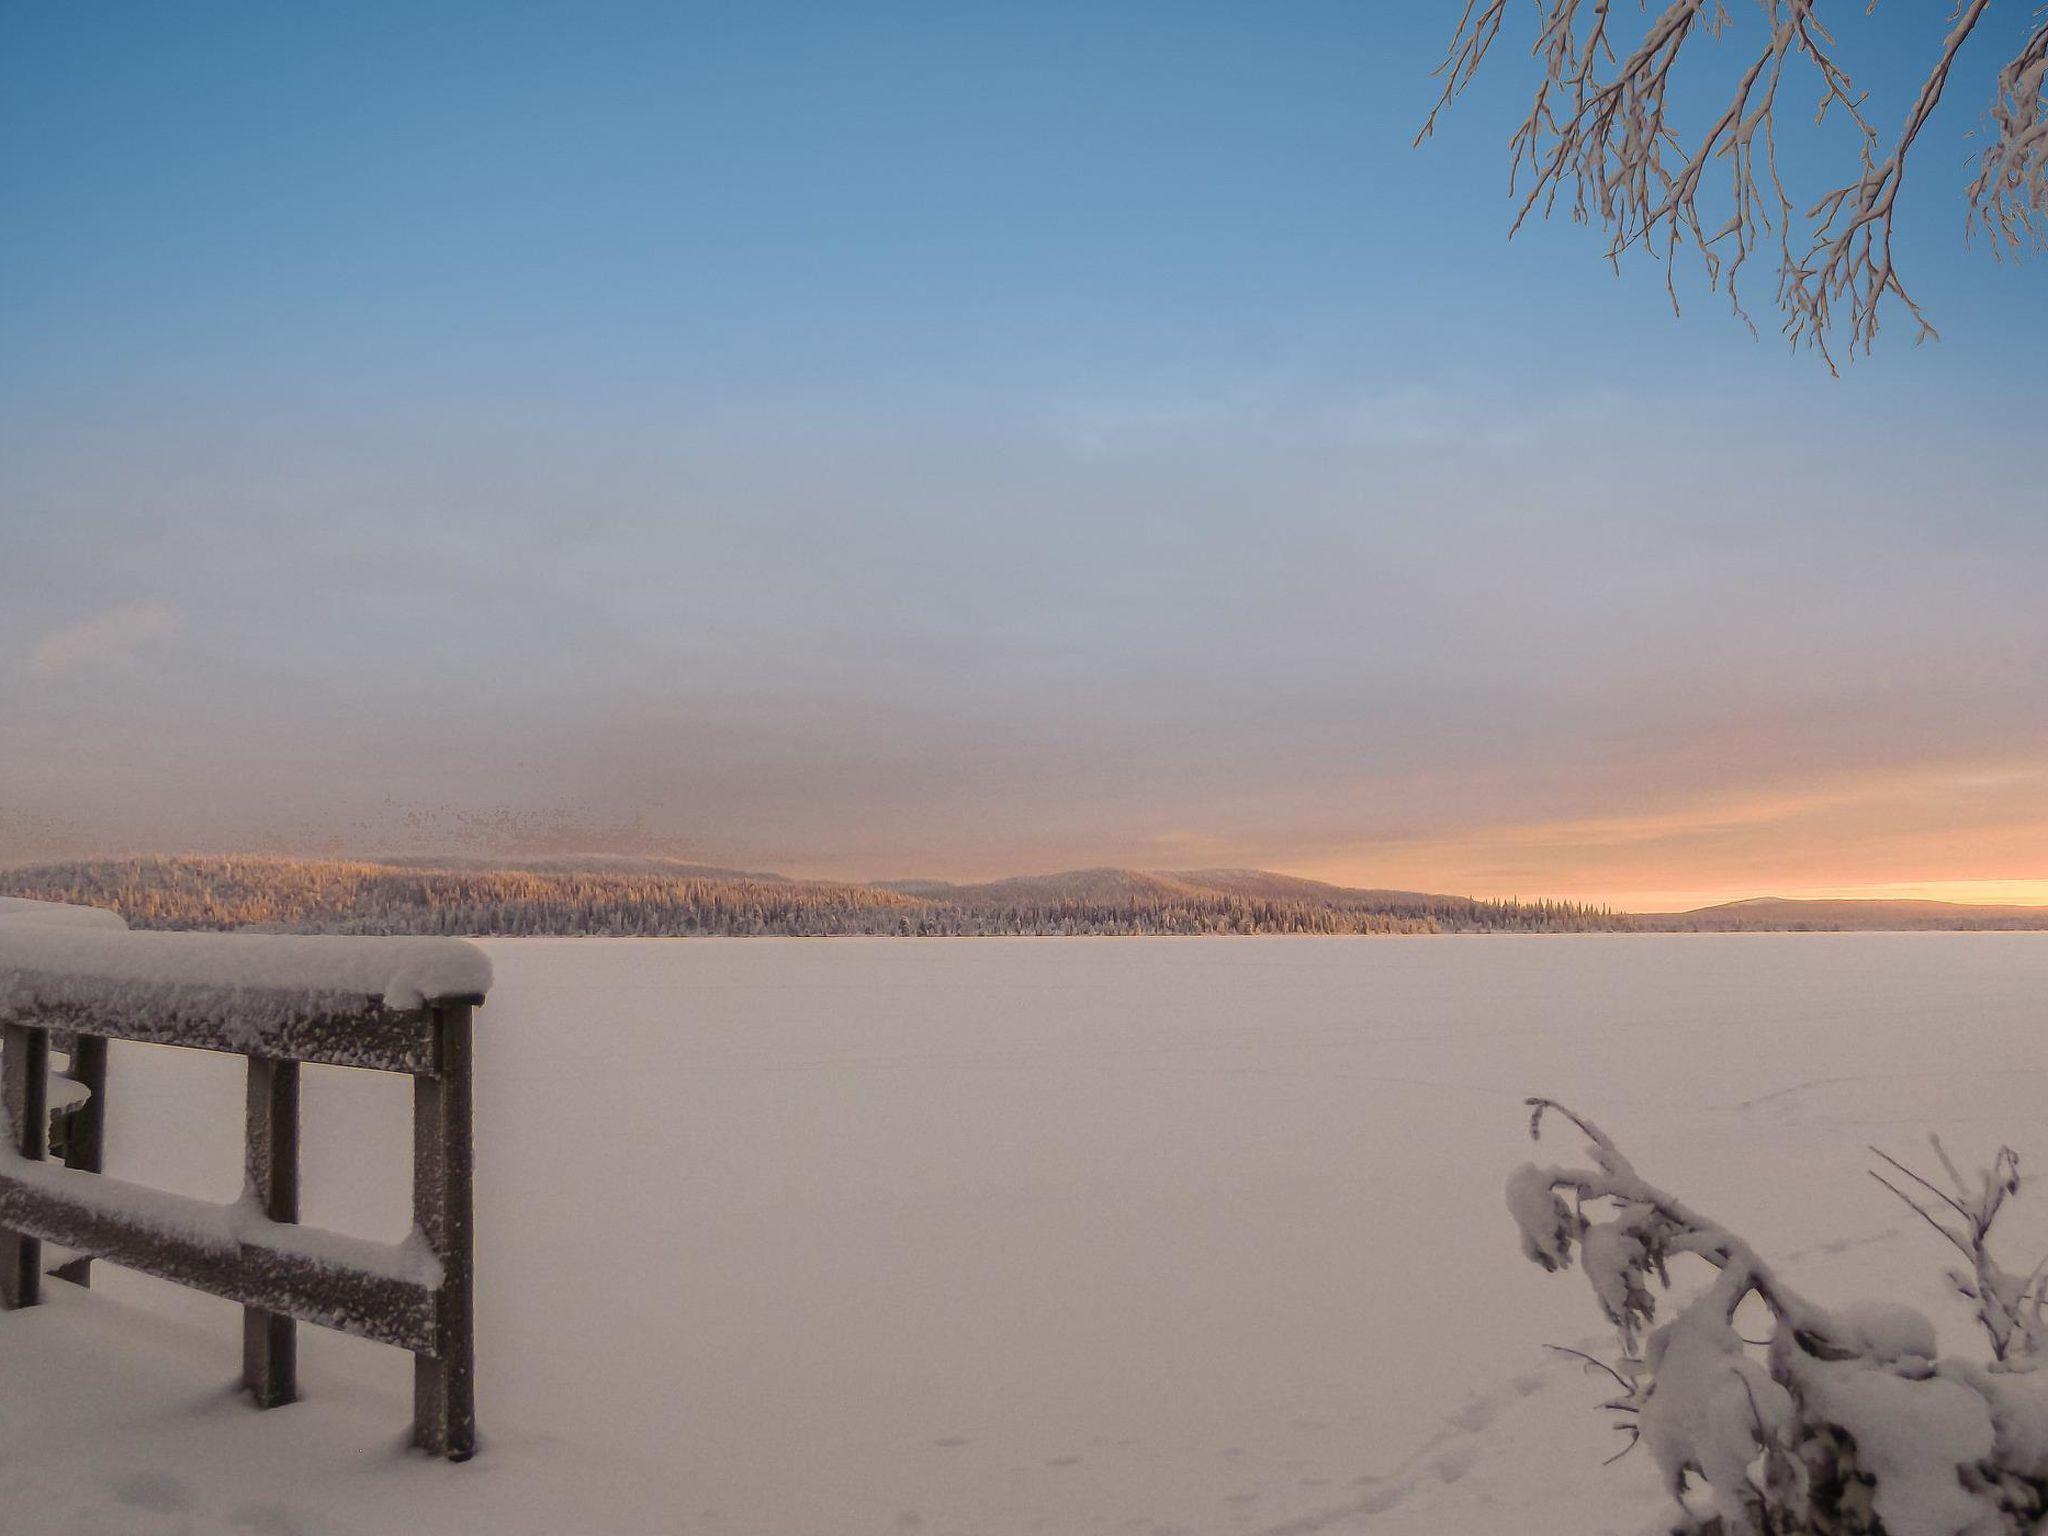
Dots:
pixel 1676 899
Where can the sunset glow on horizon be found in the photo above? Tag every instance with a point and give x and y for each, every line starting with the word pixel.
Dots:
pixel 1975 835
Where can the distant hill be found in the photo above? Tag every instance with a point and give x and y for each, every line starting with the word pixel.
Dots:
pixel 1781 914
pixel 1272 887
pixel 665 898
pixel 1110 900
pixel 581 863
pixel 1086 885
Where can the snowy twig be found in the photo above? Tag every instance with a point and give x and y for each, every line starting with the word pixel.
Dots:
pixel 2008 1309
pixel 1597 1363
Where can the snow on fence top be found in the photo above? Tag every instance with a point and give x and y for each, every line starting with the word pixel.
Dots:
pixel 20 909
pixel 401 973
pixel 238 988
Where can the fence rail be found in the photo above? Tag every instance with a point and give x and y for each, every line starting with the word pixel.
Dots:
pixel 418 1295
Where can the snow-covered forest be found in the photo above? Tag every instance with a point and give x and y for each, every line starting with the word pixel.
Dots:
pixel 664 898
pixel 639 898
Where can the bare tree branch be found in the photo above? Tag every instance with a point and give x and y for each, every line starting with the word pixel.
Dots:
pixel 1601 136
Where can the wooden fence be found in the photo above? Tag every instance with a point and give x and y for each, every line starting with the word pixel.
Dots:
pixel 417 1295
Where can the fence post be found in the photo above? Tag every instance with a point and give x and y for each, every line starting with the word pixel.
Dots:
pixel 270 1344
pixel 24 1094
pixel 444 1384
pixel 85 1130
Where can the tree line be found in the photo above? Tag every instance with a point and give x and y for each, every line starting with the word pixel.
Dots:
pixel 292 895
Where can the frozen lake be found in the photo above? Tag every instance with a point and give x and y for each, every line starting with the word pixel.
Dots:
pixel 781 1237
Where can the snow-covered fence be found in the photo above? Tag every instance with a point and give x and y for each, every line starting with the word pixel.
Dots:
pixel 391 1005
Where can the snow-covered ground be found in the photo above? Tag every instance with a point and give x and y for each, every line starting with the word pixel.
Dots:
pixel 823 1238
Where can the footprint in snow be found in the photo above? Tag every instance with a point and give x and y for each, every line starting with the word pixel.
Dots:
pixel 1475 1415
pixel 161 1493
pixel 1382 1499
pixel 1455 1463
pixel 270 1520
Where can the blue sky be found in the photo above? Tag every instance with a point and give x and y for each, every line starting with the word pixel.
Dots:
pixel 953 439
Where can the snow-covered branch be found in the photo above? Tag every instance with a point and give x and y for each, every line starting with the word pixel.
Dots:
pixel 1842 1421
pixel 1602 134
pixel 2010 193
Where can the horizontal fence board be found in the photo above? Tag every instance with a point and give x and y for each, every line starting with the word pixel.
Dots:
pixel 38 1199
pixel 340 1032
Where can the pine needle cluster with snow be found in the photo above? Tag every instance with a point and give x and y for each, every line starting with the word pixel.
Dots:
pixel 1842 1422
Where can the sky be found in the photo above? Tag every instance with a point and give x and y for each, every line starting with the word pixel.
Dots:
pixel 967 439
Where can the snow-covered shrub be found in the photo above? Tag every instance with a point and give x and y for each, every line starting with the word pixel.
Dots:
pixel 1841 1422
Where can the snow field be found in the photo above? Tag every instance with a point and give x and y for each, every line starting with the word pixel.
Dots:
pixel 993 1237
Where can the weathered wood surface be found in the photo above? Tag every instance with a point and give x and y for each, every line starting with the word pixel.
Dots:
pixel 270 1339
pixel 85 1128
pixel 369 1304
pixel 24 1104
pixel 333 1031
pixel 444 1379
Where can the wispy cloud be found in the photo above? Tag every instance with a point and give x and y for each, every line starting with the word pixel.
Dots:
pixel 115 639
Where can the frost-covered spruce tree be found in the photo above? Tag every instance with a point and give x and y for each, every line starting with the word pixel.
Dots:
pixel 1670 142
pixel 1841 1422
